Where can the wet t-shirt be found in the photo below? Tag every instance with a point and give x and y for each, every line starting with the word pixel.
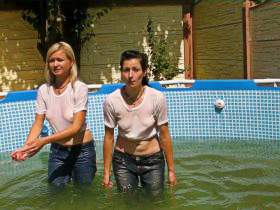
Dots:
pixel 60 109
pixel 137 123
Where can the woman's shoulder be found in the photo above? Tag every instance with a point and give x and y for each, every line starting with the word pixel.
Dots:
pixel 154 92
pixel 79 87
pixel 79 84
pixel 113 96
pixel 43 87
pixel 115 93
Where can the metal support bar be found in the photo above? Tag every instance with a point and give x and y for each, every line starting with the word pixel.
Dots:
pixel 188 42
pixel 248 5
pixel 175 82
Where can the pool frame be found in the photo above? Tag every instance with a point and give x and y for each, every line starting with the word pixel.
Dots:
pixel 250 112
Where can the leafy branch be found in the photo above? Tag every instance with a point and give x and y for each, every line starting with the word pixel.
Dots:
pixel 57 20
pixel 163 62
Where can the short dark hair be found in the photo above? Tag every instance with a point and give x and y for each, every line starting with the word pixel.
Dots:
pixel 143 58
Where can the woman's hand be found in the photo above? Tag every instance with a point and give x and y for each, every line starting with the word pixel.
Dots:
pixel 18 155
pixel 25 151
pixel 33 147
pixel 172 180
pixel 107 183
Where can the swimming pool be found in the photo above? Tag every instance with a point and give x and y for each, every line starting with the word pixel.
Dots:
pixel 211 175
pixel 225 158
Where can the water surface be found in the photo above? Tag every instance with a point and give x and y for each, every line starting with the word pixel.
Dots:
pixel 212 174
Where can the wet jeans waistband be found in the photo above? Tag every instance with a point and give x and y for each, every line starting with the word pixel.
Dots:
pixel 139 157
pixel 72 147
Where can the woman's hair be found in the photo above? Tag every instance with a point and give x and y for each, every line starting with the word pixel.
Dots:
pixel 67 49
pixel 143 58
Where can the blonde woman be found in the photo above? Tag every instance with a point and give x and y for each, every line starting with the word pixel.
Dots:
pixel 63 102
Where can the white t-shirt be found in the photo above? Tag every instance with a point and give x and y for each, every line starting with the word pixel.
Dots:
pixel 137 123
pixel 60 109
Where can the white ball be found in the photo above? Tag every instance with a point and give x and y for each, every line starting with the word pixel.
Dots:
pixel 219 103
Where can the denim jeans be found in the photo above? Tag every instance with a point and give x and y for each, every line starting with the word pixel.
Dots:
pixel 129 169
pixel 76 163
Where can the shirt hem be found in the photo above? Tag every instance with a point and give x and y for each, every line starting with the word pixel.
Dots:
pixel 78 110
pixel 163 122
pixel 109 126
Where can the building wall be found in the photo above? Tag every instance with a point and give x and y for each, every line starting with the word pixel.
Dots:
pixel 218 40
pixel 21 64
pixel 124 27
pixel 265 30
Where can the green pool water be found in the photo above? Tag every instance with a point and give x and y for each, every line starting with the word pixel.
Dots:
pixel 211 175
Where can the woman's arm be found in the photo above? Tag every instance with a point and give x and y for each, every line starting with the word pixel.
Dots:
pixel 34 133
pixel 107 155
pixel 35 145
pixel 70 131
pixel 36 128
pixel 166 144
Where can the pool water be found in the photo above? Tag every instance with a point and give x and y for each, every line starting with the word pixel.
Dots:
pixel 212 174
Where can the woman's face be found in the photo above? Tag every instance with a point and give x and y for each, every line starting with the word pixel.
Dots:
pixel 132 73
pixel 59 64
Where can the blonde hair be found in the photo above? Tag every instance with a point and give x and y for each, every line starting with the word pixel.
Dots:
pixel 67 49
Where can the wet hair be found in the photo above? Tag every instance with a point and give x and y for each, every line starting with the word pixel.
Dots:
pixel 67 49
pixel 143 58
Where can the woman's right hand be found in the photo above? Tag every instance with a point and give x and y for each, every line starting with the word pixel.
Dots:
pixel 18 155
pixel 172 180
pixel 107 183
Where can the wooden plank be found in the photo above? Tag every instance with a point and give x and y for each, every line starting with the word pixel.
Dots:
pixel 124 28
pixel 215 13
pixel 21 64
pixel 219 69
pixel 266 40
pixel 218 40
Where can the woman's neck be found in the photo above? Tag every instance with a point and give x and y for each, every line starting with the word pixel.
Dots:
pixel 134 93
pixel 134 97
pixel 61 83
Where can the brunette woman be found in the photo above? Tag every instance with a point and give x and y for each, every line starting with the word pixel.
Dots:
pixel 143 143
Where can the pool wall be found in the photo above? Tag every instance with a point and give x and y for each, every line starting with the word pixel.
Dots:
pixel 250 112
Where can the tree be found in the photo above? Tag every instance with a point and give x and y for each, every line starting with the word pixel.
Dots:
pixel 163 62
pixel 57 20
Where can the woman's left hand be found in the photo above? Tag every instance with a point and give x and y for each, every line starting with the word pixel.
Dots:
pixel 172 180
pixel 17 155
pixel 33 147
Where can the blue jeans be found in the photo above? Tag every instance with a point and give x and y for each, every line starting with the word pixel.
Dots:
pixel 76 163
pixel 129 169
